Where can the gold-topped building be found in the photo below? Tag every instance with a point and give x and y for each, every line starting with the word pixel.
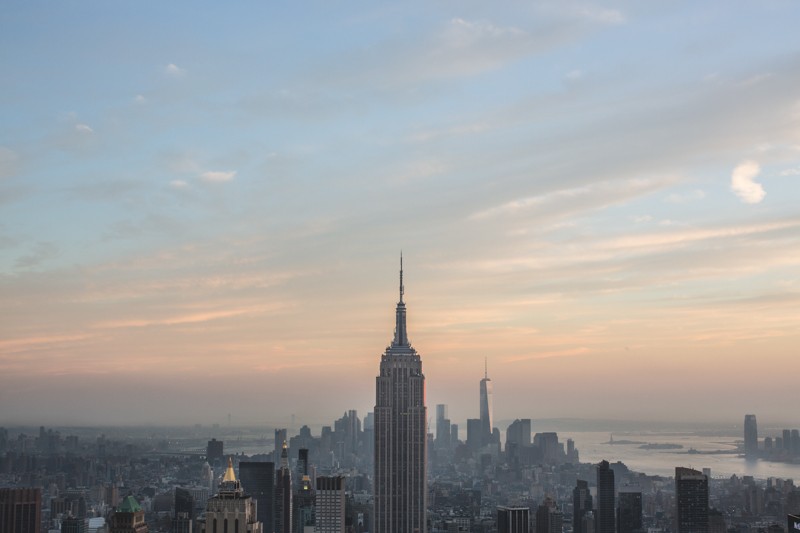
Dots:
pixel 231 510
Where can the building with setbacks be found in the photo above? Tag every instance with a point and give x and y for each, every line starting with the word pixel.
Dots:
pixel 400 493
pixel 230 509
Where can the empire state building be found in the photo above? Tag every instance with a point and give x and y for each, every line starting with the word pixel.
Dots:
pixel 400 435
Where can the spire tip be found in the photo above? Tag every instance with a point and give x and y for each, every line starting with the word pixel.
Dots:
pixel 401 277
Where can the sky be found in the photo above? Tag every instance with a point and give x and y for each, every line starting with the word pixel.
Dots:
pixel 203 205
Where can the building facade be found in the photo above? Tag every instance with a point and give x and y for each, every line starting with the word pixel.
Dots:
pixel 513 520
pixel 283 494
pixel 581 505
pixel 215 451
pixel 549 518
pixel 72 524
pixel 605 522
pixel 442 427
pixel 400 501
pixel 258 480
pixel 20 510
pixel 629 511
pixel 691 501
pixel 330 505
pixel 128 518
pixel 750 436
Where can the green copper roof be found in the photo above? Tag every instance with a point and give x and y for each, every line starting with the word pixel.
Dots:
pixel 129 505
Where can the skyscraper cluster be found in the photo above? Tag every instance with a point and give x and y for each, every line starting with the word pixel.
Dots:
pixel 526 485
pixel 784 447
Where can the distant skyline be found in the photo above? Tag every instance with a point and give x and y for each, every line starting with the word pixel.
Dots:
pixel 603 200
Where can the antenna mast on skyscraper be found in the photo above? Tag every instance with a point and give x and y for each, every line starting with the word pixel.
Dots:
pixel 401 276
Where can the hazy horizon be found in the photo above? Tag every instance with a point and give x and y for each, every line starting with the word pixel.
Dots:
pixel 202 208
pixel 618 427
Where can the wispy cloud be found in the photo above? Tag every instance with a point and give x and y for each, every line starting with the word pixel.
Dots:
pixel 756 79
pixel 546 354
pixel 574 75
pixel 459 48
pixel 218 176
pixel 790 172
pixel 41 252
pixel 174 71
pixel 684 198
pixel 743 184
pixel 600 14
pixel 674 238
pixel 16 345
pixel 466 48
pixel 191 318
pixel 425 168
pixel 452 131
pixel 589 196
pixel 83 128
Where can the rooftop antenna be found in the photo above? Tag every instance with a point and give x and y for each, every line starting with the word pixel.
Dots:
pixel 401 276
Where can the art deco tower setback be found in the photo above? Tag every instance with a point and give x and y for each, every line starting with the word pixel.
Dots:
pixel 400 434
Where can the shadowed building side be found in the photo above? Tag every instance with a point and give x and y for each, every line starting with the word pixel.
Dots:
pixel 20 510
pixel 691 500
pixel 258 480
pixel 605 519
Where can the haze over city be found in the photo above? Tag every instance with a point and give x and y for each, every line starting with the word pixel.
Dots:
pixel 202 208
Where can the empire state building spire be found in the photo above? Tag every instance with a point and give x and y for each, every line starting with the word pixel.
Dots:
pixel 400 487
pixel 400 332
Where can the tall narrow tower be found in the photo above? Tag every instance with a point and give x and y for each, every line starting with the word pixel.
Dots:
pixel 283 495
pixel 605 520
pixel 750 437
pixel 486 406
pixel 400 434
